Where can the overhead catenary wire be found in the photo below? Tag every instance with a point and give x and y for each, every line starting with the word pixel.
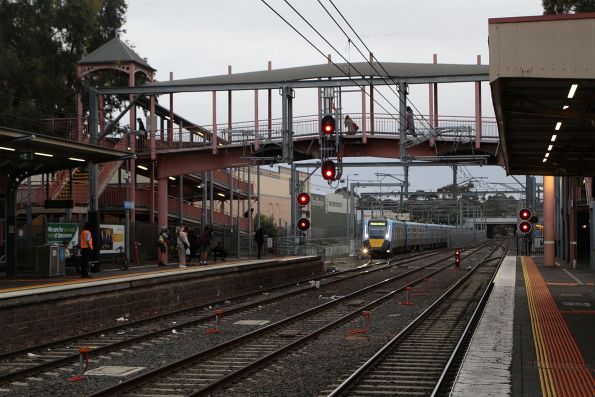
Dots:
pixel 360 52
pixel 369 51
pixel 345 59
pixel 322 53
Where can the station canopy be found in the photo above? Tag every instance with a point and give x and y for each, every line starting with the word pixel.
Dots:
pixel 25 153
pixel 542 76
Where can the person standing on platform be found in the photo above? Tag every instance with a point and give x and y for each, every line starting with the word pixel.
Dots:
pixel 259 238
pixel 86 245
pixel 182 244
pixel 204 241
pixel 162 242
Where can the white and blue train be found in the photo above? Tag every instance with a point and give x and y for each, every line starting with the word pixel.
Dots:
pixel 385 237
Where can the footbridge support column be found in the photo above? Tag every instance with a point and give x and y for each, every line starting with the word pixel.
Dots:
pixel 162 201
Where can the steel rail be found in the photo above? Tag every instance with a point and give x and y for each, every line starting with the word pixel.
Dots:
pixel 48 365
pixel 375 359
pixel 470 328
pixel 166 369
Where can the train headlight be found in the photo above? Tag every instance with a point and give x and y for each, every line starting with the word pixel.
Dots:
pixel 387 236
pixel 366 236
pixel 365 250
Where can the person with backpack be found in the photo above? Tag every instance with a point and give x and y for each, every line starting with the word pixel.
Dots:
pixel 350 126
pixel 162 243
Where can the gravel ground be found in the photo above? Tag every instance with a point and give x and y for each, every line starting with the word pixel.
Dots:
pixel 184 342
pixel 314 369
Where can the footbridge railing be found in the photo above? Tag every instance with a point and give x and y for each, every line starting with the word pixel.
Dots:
pixel 458 129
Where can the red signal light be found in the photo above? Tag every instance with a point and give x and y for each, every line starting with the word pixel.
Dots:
pixel 525 214
pixel 303 224
pixel 329 170
pixel 303 198
pixel 525 227
pixel 328 124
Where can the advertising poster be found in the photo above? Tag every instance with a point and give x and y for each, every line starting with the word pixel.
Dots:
pixel 111 238
pixel 63 233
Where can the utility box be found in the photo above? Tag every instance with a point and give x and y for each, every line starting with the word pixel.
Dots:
pixel 49 260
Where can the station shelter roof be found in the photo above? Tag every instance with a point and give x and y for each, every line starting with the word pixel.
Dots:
pixel 26 153
pixel 542 76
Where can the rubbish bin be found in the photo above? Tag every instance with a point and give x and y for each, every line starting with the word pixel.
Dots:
pixel 49 260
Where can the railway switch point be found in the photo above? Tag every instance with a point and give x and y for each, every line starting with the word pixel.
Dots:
pixel 216 329
pixel 366 325
pixel 83 365
pixel 408 302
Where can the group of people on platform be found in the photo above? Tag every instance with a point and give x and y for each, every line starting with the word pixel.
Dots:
pixel 189 243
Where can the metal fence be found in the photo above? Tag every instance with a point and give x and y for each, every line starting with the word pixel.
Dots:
pixel 324 247
pixel 529 245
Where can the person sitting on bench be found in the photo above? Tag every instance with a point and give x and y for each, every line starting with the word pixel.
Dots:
pixel 219 251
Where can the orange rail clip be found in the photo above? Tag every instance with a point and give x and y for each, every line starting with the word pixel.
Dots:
pixel 366 326
pixel 408 302
pixel 216 329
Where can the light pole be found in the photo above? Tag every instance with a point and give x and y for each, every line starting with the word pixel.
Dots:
pixel 350 206
pixel 378 174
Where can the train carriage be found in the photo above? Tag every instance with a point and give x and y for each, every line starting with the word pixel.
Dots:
pixel 385 237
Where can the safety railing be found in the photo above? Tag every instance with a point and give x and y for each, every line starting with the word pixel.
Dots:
pixel 114 197
pixel 449 128
pixel 530 245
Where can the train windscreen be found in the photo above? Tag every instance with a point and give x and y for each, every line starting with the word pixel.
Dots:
pixel 376 229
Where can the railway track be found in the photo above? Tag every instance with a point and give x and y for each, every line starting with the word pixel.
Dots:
pixel 33 361
pixel 417 360
pixel 208 371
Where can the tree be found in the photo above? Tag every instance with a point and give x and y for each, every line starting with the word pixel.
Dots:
pixel 40 43
pixel 267 223
pixel 500 205
pixel 567 6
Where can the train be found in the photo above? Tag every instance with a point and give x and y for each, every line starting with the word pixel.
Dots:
pixel 385 237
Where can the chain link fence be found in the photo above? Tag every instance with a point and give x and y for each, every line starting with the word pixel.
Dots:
pixel 529 245
pixel 325 247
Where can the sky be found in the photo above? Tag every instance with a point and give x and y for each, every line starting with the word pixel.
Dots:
pixel 196 38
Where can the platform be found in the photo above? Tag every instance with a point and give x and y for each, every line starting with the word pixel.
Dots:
pixel 536 335
pixel 71 304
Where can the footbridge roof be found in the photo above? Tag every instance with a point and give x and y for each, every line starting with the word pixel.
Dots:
pixel 332 74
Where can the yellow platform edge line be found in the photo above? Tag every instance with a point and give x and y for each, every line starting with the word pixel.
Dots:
pixel 543 363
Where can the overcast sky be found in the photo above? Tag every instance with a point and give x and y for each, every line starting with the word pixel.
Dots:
pixel 195 38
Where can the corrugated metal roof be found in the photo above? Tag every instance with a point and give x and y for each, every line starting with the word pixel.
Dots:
pixel 114 51
pixel 395 71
